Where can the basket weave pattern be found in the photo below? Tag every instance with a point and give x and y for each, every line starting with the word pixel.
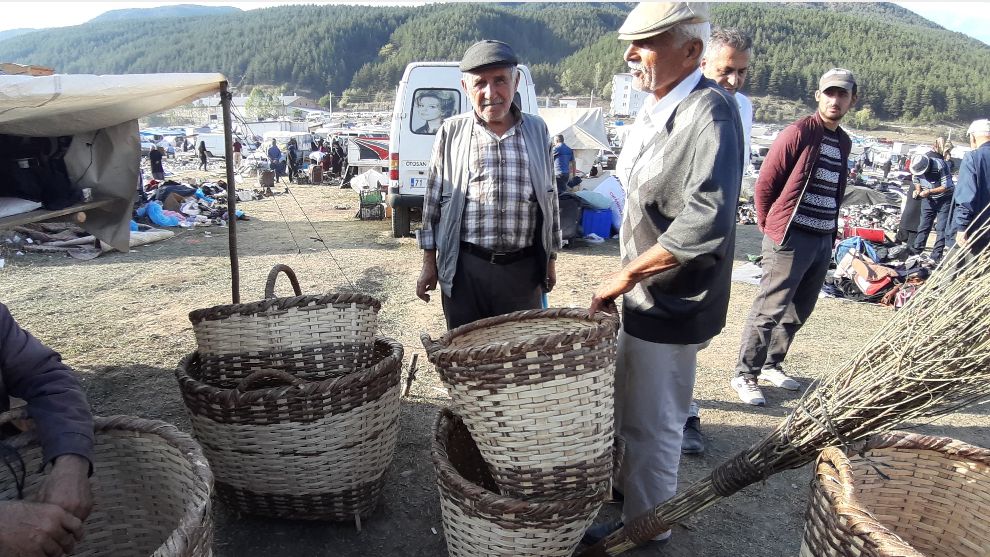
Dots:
pixel 479 521
pixel 285 323
pixel 535 389
pixel 312 449
pixel 151 487
pixel 934 501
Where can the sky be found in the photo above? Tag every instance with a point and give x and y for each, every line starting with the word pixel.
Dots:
pixel 971 18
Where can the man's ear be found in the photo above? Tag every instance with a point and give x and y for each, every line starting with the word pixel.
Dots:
pixel 696 48
pixel 818 95
pixel 855 98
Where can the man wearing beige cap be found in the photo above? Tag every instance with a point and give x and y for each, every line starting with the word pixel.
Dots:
pixel 681 167
pixel 797 198
pixel 972 193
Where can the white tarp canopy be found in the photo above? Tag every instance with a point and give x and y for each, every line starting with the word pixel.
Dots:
pixel 583 130
pixel 101 113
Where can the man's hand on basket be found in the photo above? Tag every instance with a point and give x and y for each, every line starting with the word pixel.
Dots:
pixel 613 286
pixel 37 530
pixel 67 485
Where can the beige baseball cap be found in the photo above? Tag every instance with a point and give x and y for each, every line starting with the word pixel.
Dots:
pixel 652 18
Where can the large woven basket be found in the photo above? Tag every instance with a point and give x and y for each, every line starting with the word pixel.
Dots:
pixel 151 489
pixel 312 445
pixel 279 324
pixel 479 521
pixel 535 389
pixel 900 495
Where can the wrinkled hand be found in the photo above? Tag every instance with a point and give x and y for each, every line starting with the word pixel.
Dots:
pixel 551 279
pixel 67 485
pixel 961 240
pixel 614 285
pixel 37 530
pixel 427 282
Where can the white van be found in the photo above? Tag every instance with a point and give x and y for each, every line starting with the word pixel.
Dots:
pixel 428 93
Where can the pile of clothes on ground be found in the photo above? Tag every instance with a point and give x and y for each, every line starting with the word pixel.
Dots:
pixel 875 273
pixel 170 204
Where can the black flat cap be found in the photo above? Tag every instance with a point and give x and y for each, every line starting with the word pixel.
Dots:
pixel 488 54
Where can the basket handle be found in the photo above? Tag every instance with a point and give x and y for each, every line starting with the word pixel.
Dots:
pixel 273 275
pixel 245 384
pixel 429 344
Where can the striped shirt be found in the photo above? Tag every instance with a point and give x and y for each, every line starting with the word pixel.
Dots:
pixel 818 209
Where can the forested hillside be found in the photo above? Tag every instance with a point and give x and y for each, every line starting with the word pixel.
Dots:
pixel 909 68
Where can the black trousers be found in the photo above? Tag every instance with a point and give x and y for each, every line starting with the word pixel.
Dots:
pixel 483 289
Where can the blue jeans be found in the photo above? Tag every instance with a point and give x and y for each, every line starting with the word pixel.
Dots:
pixel 934 213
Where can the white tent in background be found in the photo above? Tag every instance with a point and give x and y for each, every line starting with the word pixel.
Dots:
pixel 101 113
pixel 583 130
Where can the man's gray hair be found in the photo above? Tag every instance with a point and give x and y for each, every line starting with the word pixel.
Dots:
pixel 733 38
pixel 684 32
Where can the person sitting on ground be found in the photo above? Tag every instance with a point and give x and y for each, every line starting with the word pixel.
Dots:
pixel 49 521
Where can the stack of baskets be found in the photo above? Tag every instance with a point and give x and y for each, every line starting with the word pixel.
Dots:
pixel 295 402
pixel 900 495
pixel 151 488
pixel 524 460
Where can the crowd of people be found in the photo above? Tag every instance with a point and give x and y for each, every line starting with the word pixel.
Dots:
pixel 491 236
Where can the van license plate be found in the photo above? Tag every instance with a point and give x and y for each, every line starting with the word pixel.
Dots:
pixel 417 183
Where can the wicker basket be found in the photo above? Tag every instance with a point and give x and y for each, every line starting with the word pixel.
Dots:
pixel 279 324
pixel 151 489
pixel 313 446
pixel 535 389
pixel 900 495
pixel 479 521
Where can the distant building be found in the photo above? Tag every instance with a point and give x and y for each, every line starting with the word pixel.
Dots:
pixel 7 68
pixel 626 101
pixel 289 102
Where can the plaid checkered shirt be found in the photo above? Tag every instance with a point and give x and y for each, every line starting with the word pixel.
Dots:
pixel 500 211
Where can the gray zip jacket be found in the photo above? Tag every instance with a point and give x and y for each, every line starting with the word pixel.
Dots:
pixel 683 193
pixel 454 142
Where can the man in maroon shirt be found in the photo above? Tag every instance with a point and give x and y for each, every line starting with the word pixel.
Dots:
pixel 797 198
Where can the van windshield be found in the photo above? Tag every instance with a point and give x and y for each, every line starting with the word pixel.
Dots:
pixel 430 107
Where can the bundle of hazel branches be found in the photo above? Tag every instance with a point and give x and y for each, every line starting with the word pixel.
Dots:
pixel 932 359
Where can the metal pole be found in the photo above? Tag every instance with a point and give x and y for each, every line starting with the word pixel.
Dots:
pixel 235 274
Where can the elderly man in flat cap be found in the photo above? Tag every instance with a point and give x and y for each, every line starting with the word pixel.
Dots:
pixel 491 228
pixel 681 168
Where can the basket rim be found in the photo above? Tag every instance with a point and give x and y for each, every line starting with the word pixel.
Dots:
pixel 195 513
pixel 232 396
pixel 439 352
pixel 833 474
pixel 220 312
pixel 489 500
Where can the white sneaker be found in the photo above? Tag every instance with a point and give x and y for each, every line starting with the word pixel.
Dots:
pixel 779 379
pixel 748 391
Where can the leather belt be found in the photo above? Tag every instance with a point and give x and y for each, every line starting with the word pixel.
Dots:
pixel 498 257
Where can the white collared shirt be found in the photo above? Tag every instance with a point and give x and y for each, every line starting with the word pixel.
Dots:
pixel 746 114
pixel 651 119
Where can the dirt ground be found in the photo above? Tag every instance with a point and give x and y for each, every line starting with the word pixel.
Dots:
pixel 121 322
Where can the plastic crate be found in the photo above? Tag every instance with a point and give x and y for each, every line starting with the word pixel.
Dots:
pixel 597 221
pixel 872 234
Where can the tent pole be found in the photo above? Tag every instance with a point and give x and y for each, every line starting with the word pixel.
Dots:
pixel 235 275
